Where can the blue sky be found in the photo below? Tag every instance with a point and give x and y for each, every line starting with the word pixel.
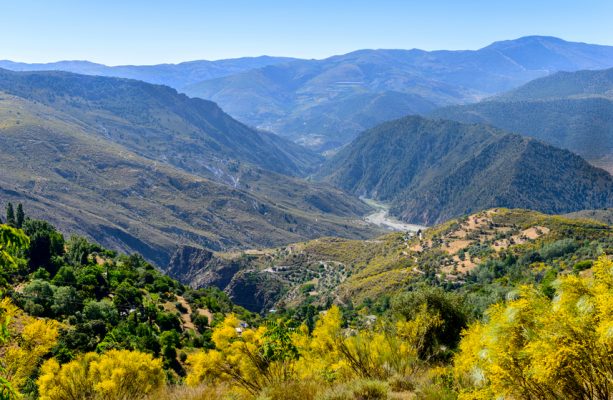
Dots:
pixel 148 32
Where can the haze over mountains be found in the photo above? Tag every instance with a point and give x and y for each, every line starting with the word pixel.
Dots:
pixel 301 99
pixel 150 169
pixel 325 103
pixel 572 110
pixel 174 75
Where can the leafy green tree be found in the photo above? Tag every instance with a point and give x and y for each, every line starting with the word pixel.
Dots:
pixel 168 321
pixel 103 310
pixel 65 276
pixel 45 244
pixel 12 243
pixel 78 250
pixel 127 297
pixel 92 282
pixel 38 293
pixel 65 301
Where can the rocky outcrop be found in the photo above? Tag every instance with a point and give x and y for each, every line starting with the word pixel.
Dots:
pixel 200 268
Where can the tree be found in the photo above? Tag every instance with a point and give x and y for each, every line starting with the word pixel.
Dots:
pixel 116 374
pixel 127 297
pixel 45 243
pixel 65 301
pixel 20 216
pixel 78 250
pixel 10 215
pixel 38 297
pixel 103 310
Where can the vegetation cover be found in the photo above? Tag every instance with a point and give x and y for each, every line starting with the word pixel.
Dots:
pixel 79 321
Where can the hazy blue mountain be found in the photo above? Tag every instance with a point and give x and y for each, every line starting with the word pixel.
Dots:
pixel 175 75
pixel 572 110
pixel 300 99
pixel 432 170
pixel 578 84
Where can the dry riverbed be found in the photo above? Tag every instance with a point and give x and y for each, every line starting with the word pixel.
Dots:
pixel 380 217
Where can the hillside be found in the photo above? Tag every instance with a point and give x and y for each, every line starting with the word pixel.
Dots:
pixel 84 183
pixel 80 319
pixel 465 253
pixel 433 170
pixel 571 110
pixel 64 297
pixel 604 215
pixel 300 99
pixel 578 84
pixel 158 123
pixel 174 75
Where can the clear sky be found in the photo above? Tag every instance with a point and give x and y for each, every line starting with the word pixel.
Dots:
pixel 148 32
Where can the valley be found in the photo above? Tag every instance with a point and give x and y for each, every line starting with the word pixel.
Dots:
pixel 325 103
pixel 381 217
pixel 348 218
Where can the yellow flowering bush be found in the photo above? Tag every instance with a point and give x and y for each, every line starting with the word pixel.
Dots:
pixel 116 374
pixel 534 347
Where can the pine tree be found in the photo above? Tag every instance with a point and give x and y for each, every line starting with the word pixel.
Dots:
pixel 20 216
pixel 10 214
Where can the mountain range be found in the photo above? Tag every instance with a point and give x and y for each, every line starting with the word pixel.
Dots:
pixel 433 170
pixel 152 170
pixel 302 99
pixel 149 169
pixel 572 110
pixel 324 104
pixel 174 75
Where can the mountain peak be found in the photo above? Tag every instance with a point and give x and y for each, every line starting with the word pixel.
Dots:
pixel 526 40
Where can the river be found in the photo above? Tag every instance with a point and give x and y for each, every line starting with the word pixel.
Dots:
pixel 381 217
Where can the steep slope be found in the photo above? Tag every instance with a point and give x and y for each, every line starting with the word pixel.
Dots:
pixel 292 98
pixel 604 215
pixel 432 170
pixel 572 110
pixel 496 247
pixel 86 184
pixel 578 84
pixel 175 75
pixel 158 123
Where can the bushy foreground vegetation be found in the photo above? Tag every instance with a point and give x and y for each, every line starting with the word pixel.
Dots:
pixel 81 322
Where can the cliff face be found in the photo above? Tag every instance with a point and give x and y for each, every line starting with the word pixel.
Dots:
pixel 187 261
pixel 246 286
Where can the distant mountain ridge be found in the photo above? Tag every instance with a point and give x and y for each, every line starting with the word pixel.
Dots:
pixel 572 110
pixel 324 104
pixel 174 75
pixel 433 170
pixel 578 84
pixel 301 99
